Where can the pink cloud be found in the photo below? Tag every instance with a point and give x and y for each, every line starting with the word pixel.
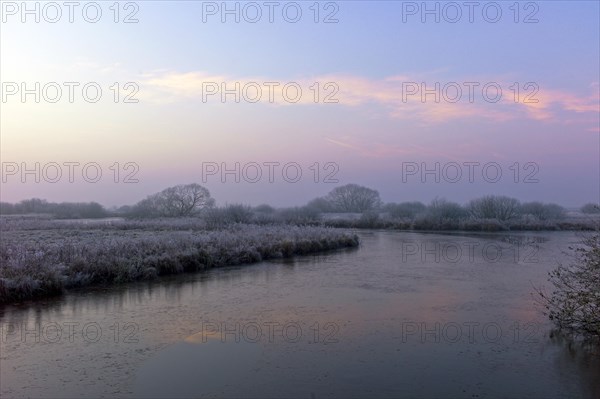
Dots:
pixel 400 96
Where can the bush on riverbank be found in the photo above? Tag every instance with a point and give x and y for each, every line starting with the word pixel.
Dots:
pixel 574 304
pixel 47 261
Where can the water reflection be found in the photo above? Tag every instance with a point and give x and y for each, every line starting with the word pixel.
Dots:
pixel 398 317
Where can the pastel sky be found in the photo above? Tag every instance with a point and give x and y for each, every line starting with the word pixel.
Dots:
pixel 361 116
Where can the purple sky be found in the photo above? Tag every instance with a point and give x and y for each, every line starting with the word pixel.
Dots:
pixel 379 94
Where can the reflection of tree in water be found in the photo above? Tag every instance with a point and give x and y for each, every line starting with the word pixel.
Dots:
pixel 584 354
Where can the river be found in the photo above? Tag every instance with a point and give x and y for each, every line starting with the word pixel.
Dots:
pixel 404 315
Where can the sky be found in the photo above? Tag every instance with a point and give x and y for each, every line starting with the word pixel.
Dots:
pixel 280 102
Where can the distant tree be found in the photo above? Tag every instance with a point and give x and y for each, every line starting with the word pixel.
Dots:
pixel 353 198
pixel 181 200
pixel 33 205
pixel 543 211
pixel 555 211
pixel 590 208
pixel 497 207
pixel 77 210
pixel 404 209
pixel 64 210
pixel 7 208
pixel 124 210
pixel 441 209
pixel 321 204
pixel 264 208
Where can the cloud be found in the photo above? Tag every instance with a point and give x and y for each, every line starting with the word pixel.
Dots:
pixel 548 105
pixel 417 98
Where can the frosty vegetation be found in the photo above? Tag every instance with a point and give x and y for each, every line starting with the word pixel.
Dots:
pixel 43 257
pixel 574 303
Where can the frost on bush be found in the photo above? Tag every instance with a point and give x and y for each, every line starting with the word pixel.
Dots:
pixel 574 304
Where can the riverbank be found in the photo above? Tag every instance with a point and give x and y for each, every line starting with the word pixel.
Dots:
pixel 376 220
pixel 45 257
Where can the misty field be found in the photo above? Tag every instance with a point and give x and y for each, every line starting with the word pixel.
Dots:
pixel 40 257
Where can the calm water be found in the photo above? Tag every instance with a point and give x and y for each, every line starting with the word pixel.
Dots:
pixel 405 315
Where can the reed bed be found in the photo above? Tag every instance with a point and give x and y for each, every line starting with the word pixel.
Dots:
pixel 45 257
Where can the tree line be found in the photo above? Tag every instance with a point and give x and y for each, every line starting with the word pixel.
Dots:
pixel 194 199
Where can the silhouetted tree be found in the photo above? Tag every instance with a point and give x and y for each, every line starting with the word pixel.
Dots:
pixel 353 198
pixel 181 200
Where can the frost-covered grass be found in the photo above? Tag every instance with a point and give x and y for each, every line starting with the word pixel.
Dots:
pixel 44 257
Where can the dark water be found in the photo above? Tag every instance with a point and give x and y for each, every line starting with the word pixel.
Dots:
pixel 405 315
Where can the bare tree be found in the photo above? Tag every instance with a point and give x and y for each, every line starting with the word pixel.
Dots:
pixel 494 207
pixel 181 200
pixel 353 198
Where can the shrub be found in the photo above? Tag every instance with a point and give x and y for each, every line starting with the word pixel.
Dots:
pixel 590 208
pixel 238 213
pixel 501 208
pixel 472 224
pixel 440 215
pixel 369 219
pixel 441 209
pixel 574 305
pixel 219 217
pixel 543 211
